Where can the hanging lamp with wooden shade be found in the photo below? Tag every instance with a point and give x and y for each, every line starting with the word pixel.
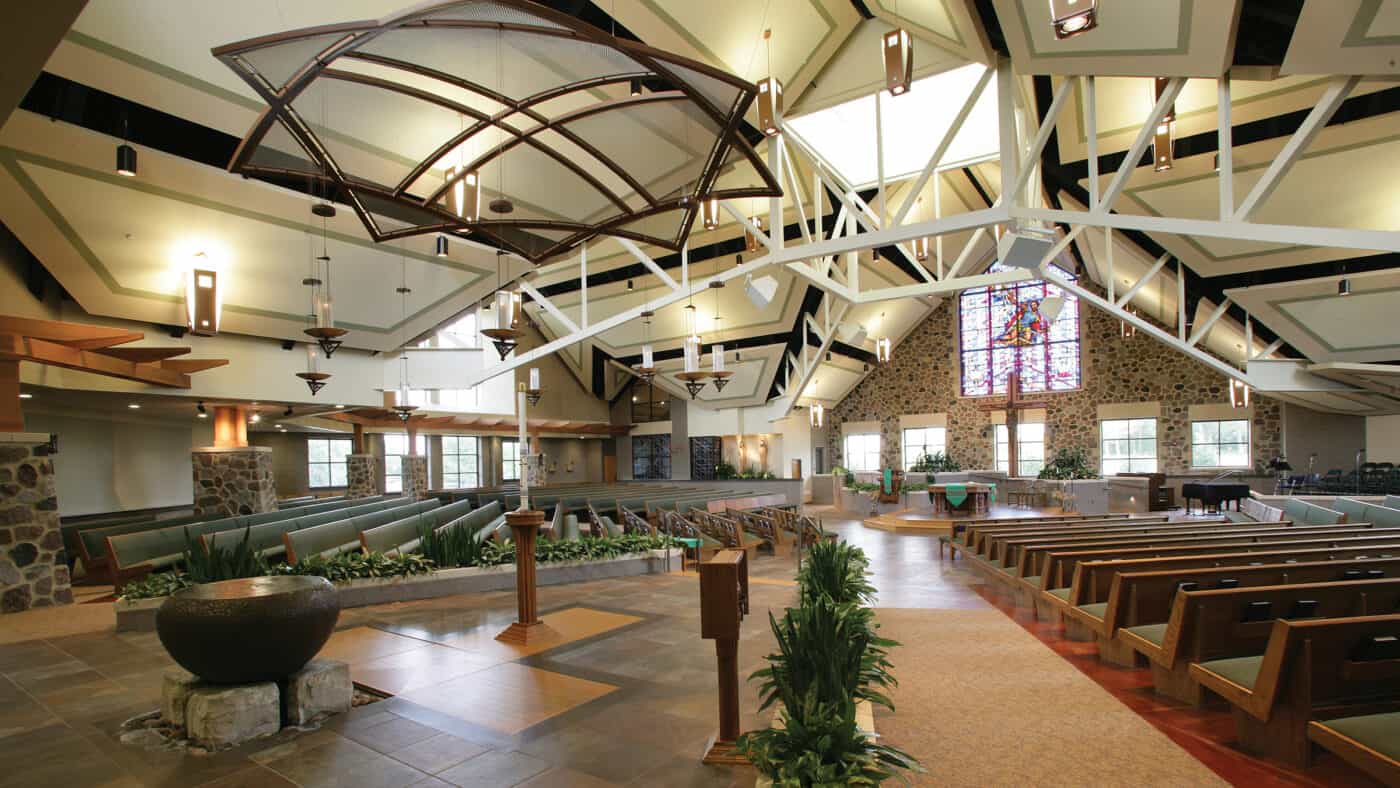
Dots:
pixel 323 328
pixel 717 371
pixel 314 377
pixel 506 306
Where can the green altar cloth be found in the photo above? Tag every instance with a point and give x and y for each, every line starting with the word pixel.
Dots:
pixel 889 481
pixel 955 493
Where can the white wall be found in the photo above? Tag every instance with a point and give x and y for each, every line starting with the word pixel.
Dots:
pixel 112 466
pixel 1382 438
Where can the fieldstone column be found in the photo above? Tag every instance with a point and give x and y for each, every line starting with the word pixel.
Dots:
pixel 232 481
pixel 415 476
pixel 33 563
pixel 361 475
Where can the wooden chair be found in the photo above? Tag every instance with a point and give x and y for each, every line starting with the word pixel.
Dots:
pixel 1320 668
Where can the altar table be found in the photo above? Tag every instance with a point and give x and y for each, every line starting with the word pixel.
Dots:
pixel 975 498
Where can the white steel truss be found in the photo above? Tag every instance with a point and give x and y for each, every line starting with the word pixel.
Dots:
pixel 832 261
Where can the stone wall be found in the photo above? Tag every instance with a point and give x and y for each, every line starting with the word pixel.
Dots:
pixel 923 377
pixel 229 482
pixel 362 475
pixel 33 564
pixel 415 476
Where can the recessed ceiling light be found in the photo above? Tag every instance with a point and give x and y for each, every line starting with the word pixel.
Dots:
pixel 278 426
pixel 25 395
pixel 134 405
pixel 339 407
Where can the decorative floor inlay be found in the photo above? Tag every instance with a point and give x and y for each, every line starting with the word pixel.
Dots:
pixel 508 697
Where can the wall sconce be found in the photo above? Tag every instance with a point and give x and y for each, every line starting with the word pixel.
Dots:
pixel 203 302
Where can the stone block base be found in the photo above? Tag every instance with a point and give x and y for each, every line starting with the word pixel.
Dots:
pixel 222 716
pixel 361 475
pixel 218 716
pixel 321 688
pixel 33 563
pixel 230 482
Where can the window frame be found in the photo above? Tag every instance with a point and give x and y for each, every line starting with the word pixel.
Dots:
pixel 475 453
pixel 1130 458
pixel 1046 349
pixel 1218 444
pixel 999 455
pixel 422 444
pixel 330 462
pixel 848 453
pixel 513 474
pixel 923 445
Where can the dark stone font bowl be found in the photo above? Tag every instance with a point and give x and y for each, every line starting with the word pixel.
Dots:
pixel 253 629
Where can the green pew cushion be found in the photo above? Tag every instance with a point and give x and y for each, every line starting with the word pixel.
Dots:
pixel 1380 732
pixel 1035 581
pixel 1152 633
pixel 1062 593
pixel 1096 609
pixel 1238 517
pixel 1009 570
pixel 1243 671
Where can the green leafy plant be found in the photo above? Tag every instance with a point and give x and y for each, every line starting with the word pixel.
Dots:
pixel 1069 464
pixel 589 548
pixel 222 563
pixel 836 570
pixel 357 566
pixel 450 547
pixel 864 487
pixel 156 585
pixel 724 470
pixel 938 462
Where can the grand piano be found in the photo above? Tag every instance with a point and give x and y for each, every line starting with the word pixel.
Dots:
pixel 1214 494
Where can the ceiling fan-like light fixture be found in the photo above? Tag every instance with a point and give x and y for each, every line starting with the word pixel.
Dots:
pixel 1072 17
pixel 608 83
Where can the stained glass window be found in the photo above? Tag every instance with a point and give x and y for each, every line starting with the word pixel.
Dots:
pixel 1003 330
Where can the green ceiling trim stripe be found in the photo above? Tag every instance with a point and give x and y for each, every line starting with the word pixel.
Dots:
pixel 1183 38
pixel 231 210
pixel 10 159
pixel 1281 304
pixel 1136 193
pixel 1234 102
pixel 160 69
pixel 1365 17
pixel 682 31
pixel 947 12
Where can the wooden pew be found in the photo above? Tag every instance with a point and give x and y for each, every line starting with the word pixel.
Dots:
pixel 1206 625
pixel 981 538
pixel 1366 742
pixel 1316 668
pixel 1093 579
pixel 1145 598
pixel 763 527
pixel 1008 551
pixel 726 531
pixel 965 531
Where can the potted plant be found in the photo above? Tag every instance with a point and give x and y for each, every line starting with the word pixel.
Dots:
pixel 1068 464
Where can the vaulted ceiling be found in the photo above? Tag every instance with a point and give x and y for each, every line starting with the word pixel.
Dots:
pixel 142 69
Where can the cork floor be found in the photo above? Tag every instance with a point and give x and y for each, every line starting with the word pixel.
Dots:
pixel 625 697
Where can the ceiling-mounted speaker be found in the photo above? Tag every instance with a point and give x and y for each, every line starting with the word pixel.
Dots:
pixel 852 333
pixel 761 291
pixel 1025 247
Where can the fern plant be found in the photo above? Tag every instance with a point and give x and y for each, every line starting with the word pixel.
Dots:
pixel 836 570
pixel 819 745
pixel 938 462
pixel 221 563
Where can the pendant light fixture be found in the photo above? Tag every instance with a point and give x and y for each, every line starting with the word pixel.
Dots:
pixel 441 246
pixel 717 370
pixel 898 51
pixel 816 412
pixel 1239 394
pixel 1072 17
pixel 126 155
pixel 770 94
pixel 1162 139
pixel 402 408
pixel 314 377
pixel 647 369
pixel 709 212
pixel 920 243
pixel 1125 329
pixel 693 376
pixel 882 350
pixel 533 392
pixel 506 335
pixel 751 240
pixel 323 328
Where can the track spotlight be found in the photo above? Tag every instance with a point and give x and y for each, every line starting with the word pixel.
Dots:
pixel 629 285
pixel 636 87
pixel 442 246
pixel 1344 287
pixel 126 160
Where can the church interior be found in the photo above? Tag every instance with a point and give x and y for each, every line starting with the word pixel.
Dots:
pixel 659 393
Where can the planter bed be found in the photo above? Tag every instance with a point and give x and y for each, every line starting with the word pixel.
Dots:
pixel 140 615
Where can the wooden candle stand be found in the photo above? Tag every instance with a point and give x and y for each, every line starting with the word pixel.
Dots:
pixel 527 629
pixel 724 599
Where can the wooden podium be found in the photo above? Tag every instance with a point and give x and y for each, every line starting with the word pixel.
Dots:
pixel 527 629
pixel 724 600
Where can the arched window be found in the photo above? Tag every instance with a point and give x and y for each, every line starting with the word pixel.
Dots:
pixel 1001 330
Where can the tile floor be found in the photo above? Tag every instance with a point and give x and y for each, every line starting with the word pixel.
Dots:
pixel 628 699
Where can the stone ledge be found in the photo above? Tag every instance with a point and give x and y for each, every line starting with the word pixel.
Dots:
pixel 27 438
pixel 140 615
pixel 229 449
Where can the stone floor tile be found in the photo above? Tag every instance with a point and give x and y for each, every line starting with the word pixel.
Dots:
pixel 437 753
pixel 391 735
pixel 494 769
pixel 252 777
pixel 565 778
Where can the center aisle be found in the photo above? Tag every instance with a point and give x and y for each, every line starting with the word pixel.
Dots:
pixel 982 702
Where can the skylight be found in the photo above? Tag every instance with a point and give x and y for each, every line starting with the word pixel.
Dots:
pixel 913 126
